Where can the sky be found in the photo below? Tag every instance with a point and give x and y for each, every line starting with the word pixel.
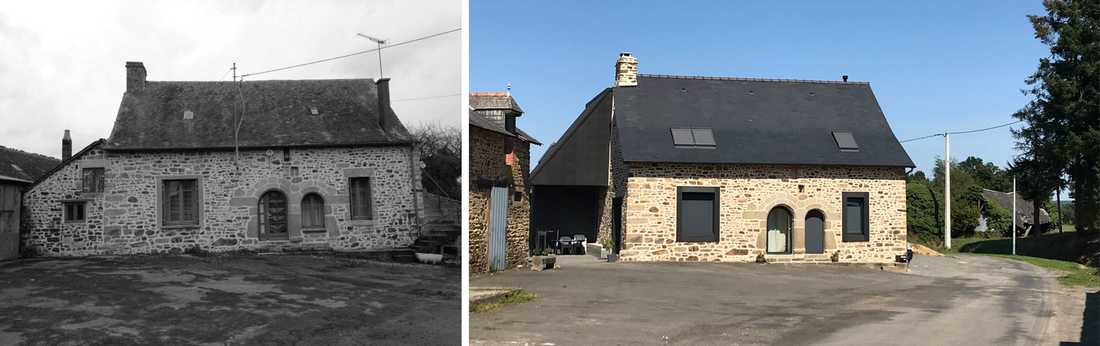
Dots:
pixel 934 66
pixel 62 62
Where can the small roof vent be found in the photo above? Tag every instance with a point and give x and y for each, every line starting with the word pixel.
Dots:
pixel 314 111
pixel 693 138
pixel 845 141
pixel 188 115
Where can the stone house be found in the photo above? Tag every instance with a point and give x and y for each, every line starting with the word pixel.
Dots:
pixel 680 168
pixel 499 200
pixel 219 166
pixel 18 170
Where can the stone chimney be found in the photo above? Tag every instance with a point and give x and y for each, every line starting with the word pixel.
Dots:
pixel 383 102
pixel 66 146
pixel 626 70
pixel 135 76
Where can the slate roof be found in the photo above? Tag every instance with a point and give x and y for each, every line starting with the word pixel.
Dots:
pixel 278 113
pixel 754 121
pixel 21 166
pixel 493 100
pixel 1024 209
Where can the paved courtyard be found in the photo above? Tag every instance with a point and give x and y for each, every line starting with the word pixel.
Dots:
pixel 237 299
pixel 973 300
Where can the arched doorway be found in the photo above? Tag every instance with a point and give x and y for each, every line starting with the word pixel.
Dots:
pixel 815 231
pixel 779 230
pixel 273 218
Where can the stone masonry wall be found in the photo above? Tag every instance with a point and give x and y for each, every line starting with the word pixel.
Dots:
pixel 124 219
pixel 747 194
pixel 488 168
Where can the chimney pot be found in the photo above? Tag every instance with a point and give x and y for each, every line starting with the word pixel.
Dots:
pixel 66 146
pixel 626 70
pixel 135 76
pixel 845 78
pixel 383 85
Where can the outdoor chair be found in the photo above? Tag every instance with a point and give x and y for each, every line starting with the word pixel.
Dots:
pixel 565 243
pixel 580 241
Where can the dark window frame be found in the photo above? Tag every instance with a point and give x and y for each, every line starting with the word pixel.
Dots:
pixel 165 203
pixel 308 210
pixel 97 184
pixel 69 208
pixel 354 200
pixel 717 192
pixel 864 223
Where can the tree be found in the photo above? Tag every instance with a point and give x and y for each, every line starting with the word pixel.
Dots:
pixel 986 174
pixel 1063 117
pixel 966 198
pixel 440 150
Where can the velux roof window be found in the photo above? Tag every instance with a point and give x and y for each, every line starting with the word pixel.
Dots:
pixel 845 141
pixel 693 138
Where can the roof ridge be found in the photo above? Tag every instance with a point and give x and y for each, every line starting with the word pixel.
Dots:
pixel 29 153
pixel 751 79
pixel 264 80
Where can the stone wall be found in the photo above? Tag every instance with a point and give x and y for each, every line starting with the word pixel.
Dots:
pixel 747 194
pixel 488 168
pixel 125 218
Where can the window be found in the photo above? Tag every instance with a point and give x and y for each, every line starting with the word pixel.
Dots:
pixel 856 225
pixel 74 211
pixel 693 138
pixel 180 203
pixel 359 189
pixel 697 214
pixel 845 141
pixel 313 211
pixel 92 180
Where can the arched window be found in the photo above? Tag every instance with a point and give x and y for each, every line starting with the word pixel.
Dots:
pixel 313 211
pixel 779 230
pixel 272 210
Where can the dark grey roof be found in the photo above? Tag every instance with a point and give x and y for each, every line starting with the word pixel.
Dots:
pixel 479 120
pixel 278 113
pixel 1025 211
pixel 580 156
pixel 493 100
pixel 759 121
pixel 22 166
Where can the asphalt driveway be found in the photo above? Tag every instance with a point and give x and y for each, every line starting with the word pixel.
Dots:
pixel 973 300
pixel 237 299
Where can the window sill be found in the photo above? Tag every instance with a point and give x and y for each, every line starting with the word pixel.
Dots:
pixel 855 240
pixel 73 222
pixel 178 226
pixel 362 222
pixel 315 230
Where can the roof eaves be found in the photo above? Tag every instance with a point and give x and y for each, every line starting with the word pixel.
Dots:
pixel 61 165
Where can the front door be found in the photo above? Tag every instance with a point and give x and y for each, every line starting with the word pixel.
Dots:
pixel 273 216
pixel 498 228
pixel 779 230
pixel 10 197
pixel 815 232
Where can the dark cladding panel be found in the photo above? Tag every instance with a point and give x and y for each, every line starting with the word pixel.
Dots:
pixel 580 156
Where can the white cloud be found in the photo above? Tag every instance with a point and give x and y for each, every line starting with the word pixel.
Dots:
pixel 61 63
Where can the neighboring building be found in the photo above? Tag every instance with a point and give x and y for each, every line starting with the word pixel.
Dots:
pixel 1025 212
pixel 224 166
pixel 676 168
pixel 499 198
pixel 18 169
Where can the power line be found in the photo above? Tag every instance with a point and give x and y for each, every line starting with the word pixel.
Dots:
pixel 353 54
pixel 425 97
pixel 962 132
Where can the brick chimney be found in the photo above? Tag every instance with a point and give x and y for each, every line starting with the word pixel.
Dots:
pixel 135 76
pixel 66 146
pixel 626 70
pixel 383 102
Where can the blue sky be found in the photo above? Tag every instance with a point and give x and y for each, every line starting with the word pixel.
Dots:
pixel 934 65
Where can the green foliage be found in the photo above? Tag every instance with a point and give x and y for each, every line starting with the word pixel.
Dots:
pixel 922 211
pixel 514 297
pixel 1063 117
pixel 986 174
pixel 998 219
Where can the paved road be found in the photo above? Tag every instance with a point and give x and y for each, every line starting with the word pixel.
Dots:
pixel 973 300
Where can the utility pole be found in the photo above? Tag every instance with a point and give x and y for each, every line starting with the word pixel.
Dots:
pixel 234 68
pixel 947 190
pixel 380 42
pixel 1013 215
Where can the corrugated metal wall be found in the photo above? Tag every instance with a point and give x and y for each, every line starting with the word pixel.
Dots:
pixel 498 229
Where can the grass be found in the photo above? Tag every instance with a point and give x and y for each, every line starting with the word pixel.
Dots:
pixel 514 297
pixel 1075 274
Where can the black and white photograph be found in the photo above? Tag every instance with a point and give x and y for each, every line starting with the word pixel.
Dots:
pixel 230 172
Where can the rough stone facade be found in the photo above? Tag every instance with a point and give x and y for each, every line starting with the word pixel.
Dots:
pixel 125 217
pixel 747 194
pixel 489 168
